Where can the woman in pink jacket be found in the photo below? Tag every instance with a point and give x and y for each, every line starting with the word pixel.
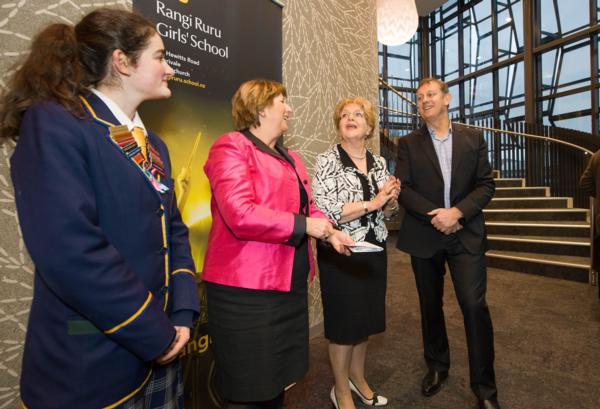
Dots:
pixel 259 256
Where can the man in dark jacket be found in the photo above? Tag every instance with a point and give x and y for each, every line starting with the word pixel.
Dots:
pixel 446 182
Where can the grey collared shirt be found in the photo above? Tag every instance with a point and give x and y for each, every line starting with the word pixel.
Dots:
pixel 443 150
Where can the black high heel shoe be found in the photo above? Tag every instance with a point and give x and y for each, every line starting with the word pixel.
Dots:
pixel 376 400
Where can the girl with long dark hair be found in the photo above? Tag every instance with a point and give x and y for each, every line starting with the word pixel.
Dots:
pixel 114 288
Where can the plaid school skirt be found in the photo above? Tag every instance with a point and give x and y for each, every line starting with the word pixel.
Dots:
pixel 164 390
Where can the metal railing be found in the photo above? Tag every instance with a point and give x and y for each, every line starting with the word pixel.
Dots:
pixel 400 115
pixel 541 155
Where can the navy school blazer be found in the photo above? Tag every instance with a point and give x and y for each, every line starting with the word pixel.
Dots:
pixel 113 269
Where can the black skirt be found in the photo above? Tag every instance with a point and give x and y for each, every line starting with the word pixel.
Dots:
pixel 260 337
pixel 353 293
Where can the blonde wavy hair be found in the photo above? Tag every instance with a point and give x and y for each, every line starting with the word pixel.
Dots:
pixel 367 107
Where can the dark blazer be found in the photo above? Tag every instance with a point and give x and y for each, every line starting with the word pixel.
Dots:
pixel 113 270
pixel 472 187
pixel 590 184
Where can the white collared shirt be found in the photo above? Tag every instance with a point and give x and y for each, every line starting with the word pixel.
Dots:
pixel 443 150
pixel 119 114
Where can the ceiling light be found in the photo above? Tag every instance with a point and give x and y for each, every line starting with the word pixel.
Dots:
pixel 397 21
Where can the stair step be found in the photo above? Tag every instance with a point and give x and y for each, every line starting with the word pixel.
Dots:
pixel 536 214
pixel 528 191
pixel 561 229
pixel 530 202
pixel 569 246
pixel 565 267
pixel 510 182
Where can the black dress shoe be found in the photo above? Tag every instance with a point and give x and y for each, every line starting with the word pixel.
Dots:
pixel 432 382
pixel 488 404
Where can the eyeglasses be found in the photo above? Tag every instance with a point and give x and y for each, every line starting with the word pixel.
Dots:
pixel 357 115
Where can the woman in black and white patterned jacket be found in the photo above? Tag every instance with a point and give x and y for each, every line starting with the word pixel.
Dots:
pixel 354 188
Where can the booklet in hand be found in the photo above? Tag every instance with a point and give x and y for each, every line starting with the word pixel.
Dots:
pixel 364 247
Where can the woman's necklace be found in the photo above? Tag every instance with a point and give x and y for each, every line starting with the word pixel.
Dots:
pixel 359 157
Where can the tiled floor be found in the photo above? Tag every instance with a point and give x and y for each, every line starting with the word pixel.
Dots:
pixel 547 337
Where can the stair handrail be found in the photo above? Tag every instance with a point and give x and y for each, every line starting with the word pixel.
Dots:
pixel 527 135
pixel 397 111
pixel 395 91
pixel 505 131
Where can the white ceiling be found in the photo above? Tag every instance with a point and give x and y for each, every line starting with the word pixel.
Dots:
pixel 424 7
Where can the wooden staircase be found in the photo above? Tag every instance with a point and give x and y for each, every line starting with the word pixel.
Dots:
pixel 531 231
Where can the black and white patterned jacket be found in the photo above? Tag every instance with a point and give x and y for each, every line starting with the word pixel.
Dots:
pixel 336 182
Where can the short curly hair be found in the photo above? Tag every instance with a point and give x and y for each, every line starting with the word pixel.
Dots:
pixel 367 107
pixel 252 97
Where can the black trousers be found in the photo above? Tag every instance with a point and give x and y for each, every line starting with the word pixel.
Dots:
pixel 469 276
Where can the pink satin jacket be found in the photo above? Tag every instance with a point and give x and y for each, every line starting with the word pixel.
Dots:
pixel 254 205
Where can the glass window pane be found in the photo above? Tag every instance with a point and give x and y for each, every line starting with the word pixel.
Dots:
pixel 455 101
pixel 573 15
pixel 548 24
pixel 582 123
pixel 483 92
pixel 575 68
pixel 446 44
pixel 507 44
pixel 565 108
pixel 484 52
pixel 559 17
pixel 450 6
pixel 566 68
pixel 399 72
pixel 511 89
pixel 571 103
pixel 445 11
pixel 403 65
pixel 437 46
pixel 477 33
pixel 510 28
pixel 517 15
pixel 395 66
pixel 513 113
pixel 451 58
pixel 483 9
pixel 549 71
